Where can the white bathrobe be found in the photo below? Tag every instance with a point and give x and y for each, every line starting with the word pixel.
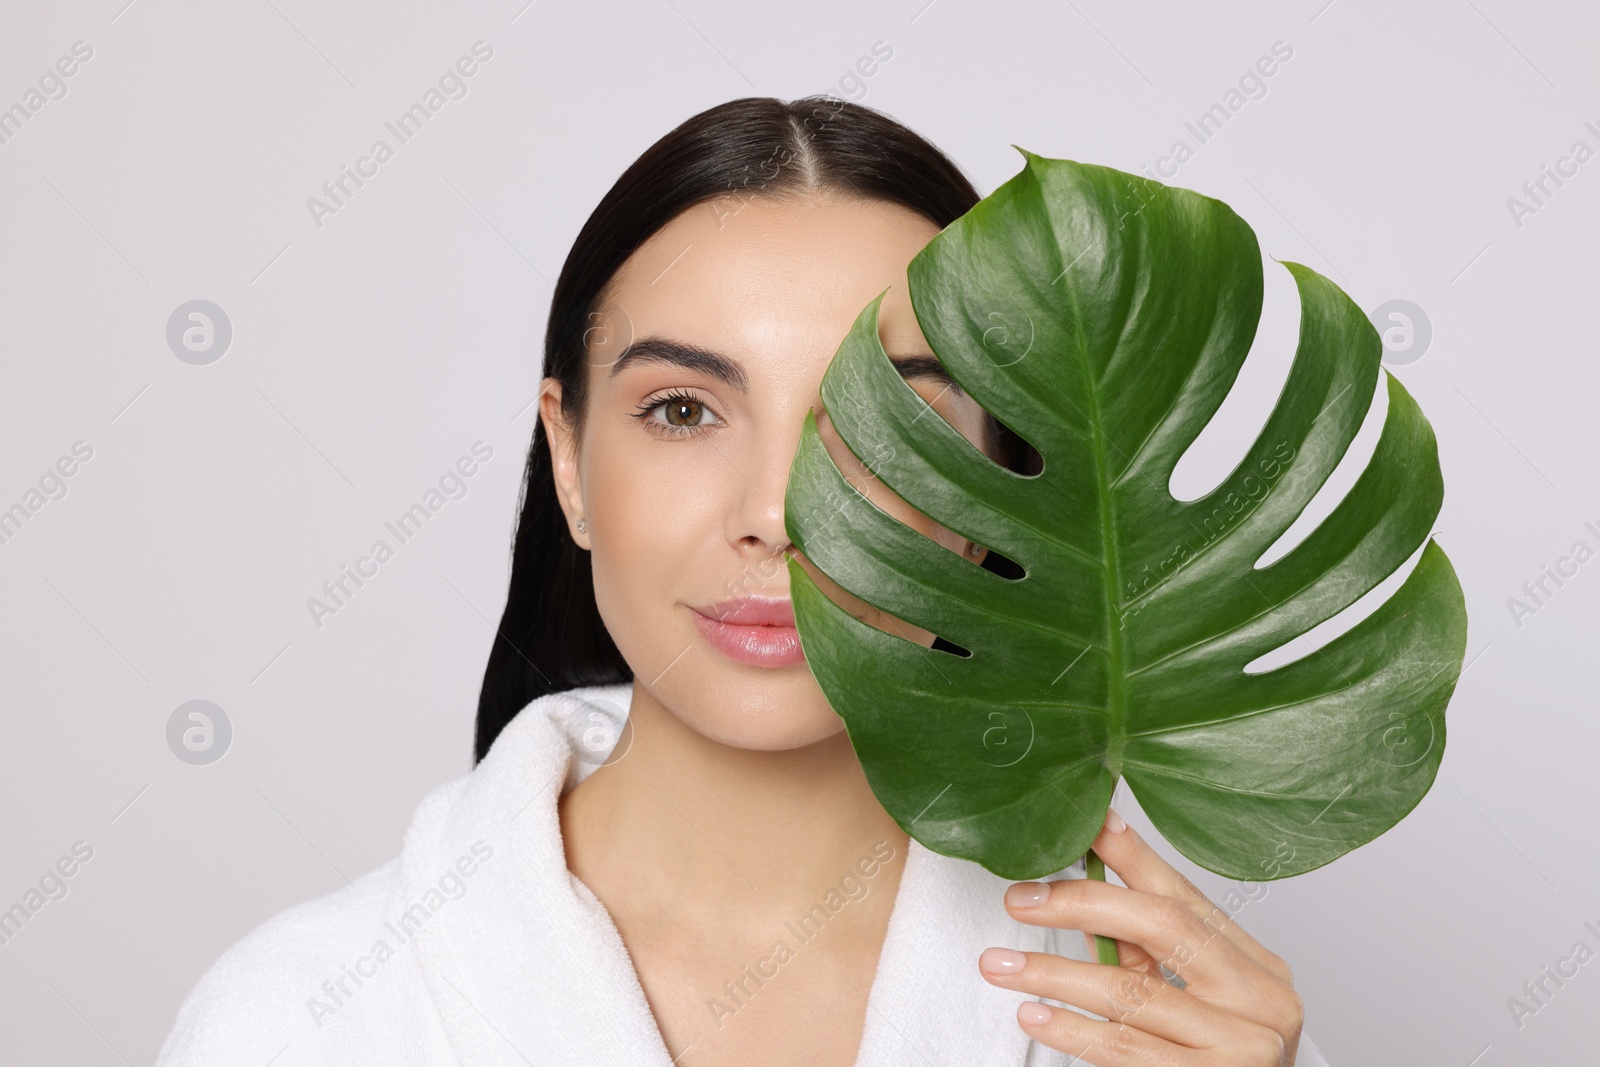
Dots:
pixel 476 947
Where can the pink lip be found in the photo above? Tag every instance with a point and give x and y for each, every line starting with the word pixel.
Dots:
pixel 758 631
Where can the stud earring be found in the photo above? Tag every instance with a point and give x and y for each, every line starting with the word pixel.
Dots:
pixel 583 525
pixel 976 549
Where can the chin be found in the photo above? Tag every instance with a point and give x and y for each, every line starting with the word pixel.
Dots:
pixel 746 709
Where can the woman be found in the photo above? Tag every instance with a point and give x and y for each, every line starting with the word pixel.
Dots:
pixel 668 852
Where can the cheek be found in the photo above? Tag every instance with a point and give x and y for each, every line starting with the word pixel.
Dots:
pixel 652 513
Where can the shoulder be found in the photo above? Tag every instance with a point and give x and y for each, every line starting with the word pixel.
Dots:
pixel 283 979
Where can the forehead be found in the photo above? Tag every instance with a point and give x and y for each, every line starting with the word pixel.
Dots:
pixel 769 279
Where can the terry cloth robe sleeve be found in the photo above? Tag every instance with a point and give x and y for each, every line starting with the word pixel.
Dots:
pixel 477 947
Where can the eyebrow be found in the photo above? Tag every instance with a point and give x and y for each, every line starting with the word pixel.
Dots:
pixel 725 369
pixel 678 354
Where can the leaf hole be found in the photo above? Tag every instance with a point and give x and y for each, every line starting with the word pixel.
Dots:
pixel 1014 452
pixel 1326 632
pixel 1226 439
pixel 941 645
pixel 1004 566
pixel 1342 479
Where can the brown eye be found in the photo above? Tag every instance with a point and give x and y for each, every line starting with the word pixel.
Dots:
pixel 683 412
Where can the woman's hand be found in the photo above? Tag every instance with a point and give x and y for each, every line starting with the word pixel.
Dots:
pixel 1238 1007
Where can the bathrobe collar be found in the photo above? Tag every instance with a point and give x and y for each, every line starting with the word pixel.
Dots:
pixel 527 967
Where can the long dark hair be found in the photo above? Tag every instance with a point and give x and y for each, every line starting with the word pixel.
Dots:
pixel 551 636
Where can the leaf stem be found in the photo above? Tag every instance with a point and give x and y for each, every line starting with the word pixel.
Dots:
pixel 1105 946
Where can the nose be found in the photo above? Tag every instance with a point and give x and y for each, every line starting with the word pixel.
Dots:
pixel 757 519
pixel 758 528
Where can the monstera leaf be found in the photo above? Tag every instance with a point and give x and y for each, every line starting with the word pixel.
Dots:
pixel 1103 317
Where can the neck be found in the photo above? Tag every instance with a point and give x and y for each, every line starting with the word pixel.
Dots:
pixel 695 832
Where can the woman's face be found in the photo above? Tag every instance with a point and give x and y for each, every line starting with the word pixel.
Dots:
pixel 684 497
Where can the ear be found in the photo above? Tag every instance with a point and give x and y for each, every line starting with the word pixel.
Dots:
pixel 563 447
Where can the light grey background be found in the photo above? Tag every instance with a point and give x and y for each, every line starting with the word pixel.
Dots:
pixel 369 353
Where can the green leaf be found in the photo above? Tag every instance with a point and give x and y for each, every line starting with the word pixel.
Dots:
pixel 1104 317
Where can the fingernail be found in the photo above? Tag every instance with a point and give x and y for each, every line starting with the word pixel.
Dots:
pixel 1027 894
pixel 1114 821
pixel 1033 1013
pixel 1002 960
